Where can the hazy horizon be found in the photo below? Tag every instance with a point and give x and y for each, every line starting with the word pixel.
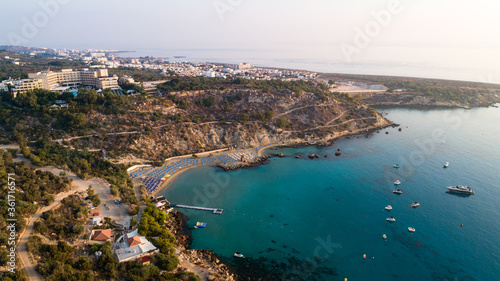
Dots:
pixel 448 40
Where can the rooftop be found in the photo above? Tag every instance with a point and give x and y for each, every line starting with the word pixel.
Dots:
pixel 101 235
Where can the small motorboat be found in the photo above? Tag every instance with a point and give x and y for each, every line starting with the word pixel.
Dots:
pixel 390 219
pixel 384 236
pixel 218 211
pixel 388 207
pixel 411 229
pixel 415 204
pixel 446 165
pixel 397 191
pixel 238 255
pixel 200 225
pixel 396 166
pixel 397 182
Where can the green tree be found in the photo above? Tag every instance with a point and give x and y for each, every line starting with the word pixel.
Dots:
pixel 167 262
pixel 283 123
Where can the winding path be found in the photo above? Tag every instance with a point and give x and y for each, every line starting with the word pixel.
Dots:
pixel 78 185
pixel 298 108
pixel 328 124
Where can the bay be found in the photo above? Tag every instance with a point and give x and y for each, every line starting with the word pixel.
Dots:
pixel 329 212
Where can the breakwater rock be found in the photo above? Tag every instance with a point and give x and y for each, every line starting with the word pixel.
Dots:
pixel 243 164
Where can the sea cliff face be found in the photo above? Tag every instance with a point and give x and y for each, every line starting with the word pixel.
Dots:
pixel 255 118
pixel 191 122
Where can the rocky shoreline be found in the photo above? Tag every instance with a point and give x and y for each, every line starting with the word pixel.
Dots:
pixel 243 164
pixel 213 267
pixel 222 268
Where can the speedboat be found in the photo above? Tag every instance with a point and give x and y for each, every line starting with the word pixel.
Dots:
pixel 460 189
pixel 397 191
pixel 218 211
pixel 200 225
pixel 415 204
pixel 397 182
pixel 446 165
pixel 384 236
pixel 238 255
pixel 388 207
pixel 390 219
pixel 396 166
pixel 411 229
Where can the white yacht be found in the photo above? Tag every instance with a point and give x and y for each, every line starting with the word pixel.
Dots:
pixel 397 182
pixel 460 189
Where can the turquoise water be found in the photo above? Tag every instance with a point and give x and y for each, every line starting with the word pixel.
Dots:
pixel 328 212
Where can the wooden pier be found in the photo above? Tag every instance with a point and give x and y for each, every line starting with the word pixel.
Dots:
pixel 214 210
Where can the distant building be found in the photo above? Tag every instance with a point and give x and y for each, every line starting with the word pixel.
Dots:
pixel 245 65
pixel 97 55
pixel 209 74
pixel 126 79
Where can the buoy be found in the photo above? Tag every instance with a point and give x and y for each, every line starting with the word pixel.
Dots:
pixel 462 224
pixel 345 279
pixel 364 256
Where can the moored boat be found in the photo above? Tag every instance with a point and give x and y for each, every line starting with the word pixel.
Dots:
pixel 446 165
pixel 460 189
pixel 390 219
pixel 388 207
pixel 411 229
pixel 397 191
pixel 238 255
pixel 397 182
pixel 384 236
pixel 200 225
pixel 396 166
pixel 415 204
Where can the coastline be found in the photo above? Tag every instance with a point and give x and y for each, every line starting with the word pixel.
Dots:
pixel 326 141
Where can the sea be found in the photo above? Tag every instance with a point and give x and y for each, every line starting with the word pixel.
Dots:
pixel 328 213
pixel 480 65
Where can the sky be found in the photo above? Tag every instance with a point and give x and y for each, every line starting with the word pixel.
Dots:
pixel 447 39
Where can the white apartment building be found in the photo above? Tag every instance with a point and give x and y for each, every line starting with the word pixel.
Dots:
pixel 97 78
pixel 21 85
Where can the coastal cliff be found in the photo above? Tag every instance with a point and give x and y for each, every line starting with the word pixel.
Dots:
pixel 191 122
